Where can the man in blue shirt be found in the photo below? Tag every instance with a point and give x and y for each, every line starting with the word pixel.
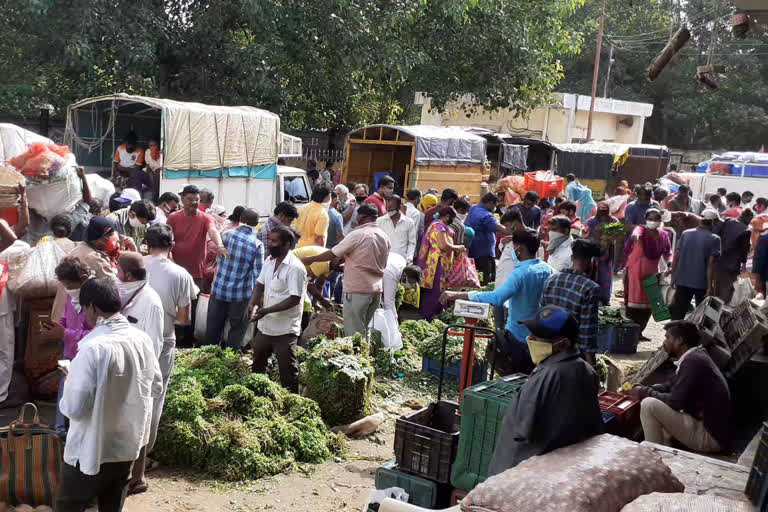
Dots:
pixel 485 225
pixel 234 283
pixel 336 224
pixel 529 210
pixel 634 214
pixel 521 292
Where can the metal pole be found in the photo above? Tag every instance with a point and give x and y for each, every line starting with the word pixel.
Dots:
pixel 608 74
pixel 596 72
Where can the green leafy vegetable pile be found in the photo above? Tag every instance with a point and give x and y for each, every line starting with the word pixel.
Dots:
pixel 612 316
pixel 338 375
pixel 612 230
pixel 231 424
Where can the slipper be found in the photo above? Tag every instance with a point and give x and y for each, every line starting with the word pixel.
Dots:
pixel 137 488
pixel 151 465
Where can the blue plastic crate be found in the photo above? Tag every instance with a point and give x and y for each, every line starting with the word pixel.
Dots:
pixel 618 339
pixel 453 371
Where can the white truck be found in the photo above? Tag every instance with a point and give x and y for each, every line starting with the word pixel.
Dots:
pixel 733 171
pixel 232 151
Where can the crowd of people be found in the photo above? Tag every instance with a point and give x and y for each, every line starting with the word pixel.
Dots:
pixel 131 279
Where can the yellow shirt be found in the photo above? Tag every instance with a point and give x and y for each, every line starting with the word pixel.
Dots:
pixel 321 269
pixel 312 222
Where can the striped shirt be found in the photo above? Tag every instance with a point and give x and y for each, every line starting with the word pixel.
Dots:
pixel 236 276
pixel 581 296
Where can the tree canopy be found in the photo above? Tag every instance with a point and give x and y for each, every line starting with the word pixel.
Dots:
pixel 320 64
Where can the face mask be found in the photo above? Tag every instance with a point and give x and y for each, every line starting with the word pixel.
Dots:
pixel 327 205
pixel 540 350
pixel 135 222
pixel 75 296
pixel 361 200
pixel 462 217
pixel 393 213
pixel 652 224
pixel 556 235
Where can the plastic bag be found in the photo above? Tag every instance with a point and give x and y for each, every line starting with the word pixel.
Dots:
pixel 742 291
pixel 249 331
pixel 59 195
pixel 201 316
pixel 37 277
pixel 385 321
pixel 395 493
pixel 463 273
pixel 41 159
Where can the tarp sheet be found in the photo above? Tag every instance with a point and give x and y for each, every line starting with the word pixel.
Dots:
pixel 442 144
pixel 15 140
pixel 750 163
pixel 199 137
pixel 515 156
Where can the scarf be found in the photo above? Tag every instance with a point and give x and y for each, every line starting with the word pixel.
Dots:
pixel 652 249
pixel 128 290
pixel 555 243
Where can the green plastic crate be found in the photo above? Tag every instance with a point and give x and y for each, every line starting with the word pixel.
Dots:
pixel 653 291
pixel 482 411
pixel 421 492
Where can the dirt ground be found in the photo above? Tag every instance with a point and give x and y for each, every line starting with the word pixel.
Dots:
pixel 332 486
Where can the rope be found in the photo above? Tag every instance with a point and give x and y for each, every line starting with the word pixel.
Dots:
pixel 73 127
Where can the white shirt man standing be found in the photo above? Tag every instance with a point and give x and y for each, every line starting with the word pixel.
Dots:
pixel 279 297
pixel 399 228
pixel 107 397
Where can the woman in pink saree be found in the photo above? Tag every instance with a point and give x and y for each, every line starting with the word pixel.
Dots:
pixel 642 253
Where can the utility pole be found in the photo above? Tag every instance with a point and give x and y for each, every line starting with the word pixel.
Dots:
pixel 608 74
pixel 596 71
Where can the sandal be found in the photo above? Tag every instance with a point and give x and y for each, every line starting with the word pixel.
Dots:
pixel 137 488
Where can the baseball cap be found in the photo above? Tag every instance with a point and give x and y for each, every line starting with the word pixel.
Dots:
pixel 129 195
pixel 710 214
pixel 552 322
pixel 98 227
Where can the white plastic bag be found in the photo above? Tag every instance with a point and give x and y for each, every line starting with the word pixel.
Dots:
pixel 395 493
pixel 385 321
pixel 201 316
pixel 37 275
pixel 57 195
pixel 100 188
pixel 249 331
pixel 742 290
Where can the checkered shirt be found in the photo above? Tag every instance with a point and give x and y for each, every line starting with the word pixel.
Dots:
pixel 236 276
pixel 581 296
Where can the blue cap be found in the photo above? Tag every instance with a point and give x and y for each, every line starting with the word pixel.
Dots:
pixel 551 322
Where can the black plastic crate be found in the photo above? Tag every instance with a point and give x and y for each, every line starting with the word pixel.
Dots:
pixel 426 441
pixel 757 481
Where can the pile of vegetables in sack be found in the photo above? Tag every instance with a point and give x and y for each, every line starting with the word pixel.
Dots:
pixel 231 424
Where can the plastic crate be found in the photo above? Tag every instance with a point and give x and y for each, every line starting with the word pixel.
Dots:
pixel 482 411
pixel 421 492
pixel 653 292
pixel 756 484
pixel 543 188
pixel 425 441
pixel 618 339
pixel 751 327
pixel 453 371
pixel 626 411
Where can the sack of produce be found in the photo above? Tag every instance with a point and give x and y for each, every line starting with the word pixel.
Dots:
pixel 10 179
pixel 665 502
pixel 338 375
pixel 601 474
pixel 41 159
pixel 324 323
pixel 463 274
pixel 36 277
pixel 50 196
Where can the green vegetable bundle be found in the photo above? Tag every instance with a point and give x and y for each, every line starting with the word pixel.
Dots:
pixel 432 348
pixel 231 424
pixel 612 230
pixel 338 375
pixel 612 316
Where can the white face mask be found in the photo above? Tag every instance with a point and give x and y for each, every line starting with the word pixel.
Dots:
pixel 135 222
pixel 652 224
pixel 393 213
pixel 327 205
pixel 556 235
pixel 462 217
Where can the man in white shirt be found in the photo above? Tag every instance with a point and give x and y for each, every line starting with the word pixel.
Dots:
pixel 279 297
pixel 399 228
pixel 560 246
pixel 9 306
pixel 108 394
pixel 176 290
pixel 413 198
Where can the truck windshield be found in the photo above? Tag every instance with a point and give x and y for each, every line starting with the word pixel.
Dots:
pixel 295 189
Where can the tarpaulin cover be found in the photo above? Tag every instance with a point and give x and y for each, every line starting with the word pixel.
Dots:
pixel 15 140
pixel 588 166
pixel 750 163
pixel 444 144
pixel 199 137
pixel 515 156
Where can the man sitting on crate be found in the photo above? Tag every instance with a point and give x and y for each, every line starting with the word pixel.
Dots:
pixel 694 406
pixel 558 406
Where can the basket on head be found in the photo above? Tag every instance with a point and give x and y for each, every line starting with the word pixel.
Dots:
pixel 10 179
